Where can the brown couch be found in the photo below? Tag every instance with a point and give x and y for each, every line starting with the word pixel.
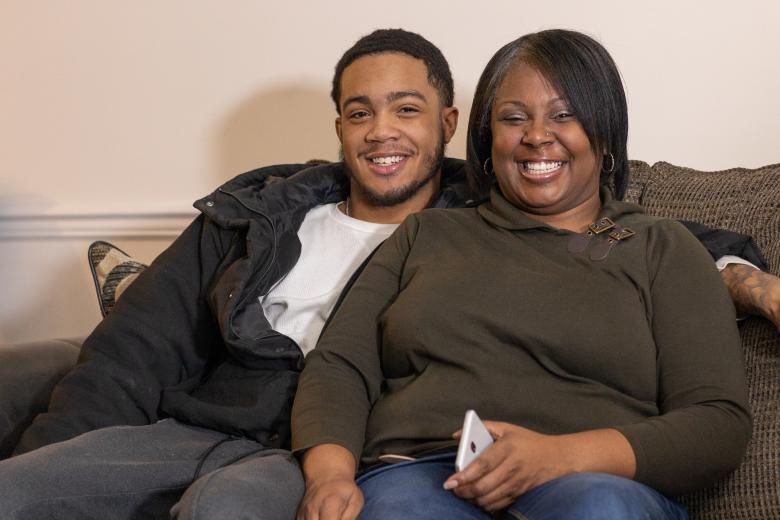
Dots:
pixel 743 200
pixel 747 201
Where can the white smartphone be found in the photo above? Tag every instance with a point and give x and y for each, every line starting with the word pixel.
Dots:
pixel 473 440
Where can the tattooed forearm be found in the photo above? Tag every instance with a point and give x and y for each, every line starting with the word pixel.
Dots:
pixel 753 291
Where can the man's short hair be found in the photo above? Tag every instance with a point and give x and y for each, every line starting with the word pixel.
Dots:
pixel 403 42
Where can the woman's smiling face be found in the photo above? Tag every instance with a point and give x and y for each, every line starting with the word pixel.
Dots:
pixel 543 160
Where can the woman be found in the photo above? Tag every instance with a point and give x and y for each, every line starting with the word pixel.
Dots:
pixel 599 340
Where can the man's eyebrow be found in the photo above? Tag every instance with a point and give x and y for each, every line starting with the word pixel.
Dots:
pixel 363 100
pixel 400 94
pixel 392 96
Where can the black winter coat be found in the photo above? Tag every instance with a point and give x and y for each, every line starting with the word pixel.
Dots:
pixel 188 339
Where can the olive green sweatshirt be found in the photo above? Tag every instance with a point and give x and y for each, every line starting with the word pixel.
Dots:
pixel 485 308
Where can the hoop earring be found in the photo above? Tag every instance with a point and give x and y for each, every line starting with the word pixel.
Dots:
pixel 485 168
pixel 612 166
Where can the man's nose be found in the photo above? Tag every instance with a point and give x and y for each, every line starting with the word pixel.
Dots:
pixel 383 128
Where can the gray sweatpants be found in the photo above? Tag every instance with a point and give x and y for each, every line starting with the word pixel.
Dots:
pixel 135 472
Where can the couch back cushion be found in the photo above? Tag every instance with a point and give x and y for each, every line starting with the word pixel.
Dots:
pixel 739 199
pixel 746 201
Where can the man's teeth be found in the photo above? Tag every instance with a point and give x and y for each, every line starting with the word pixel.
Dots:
pixel 542 166
pixel 385 161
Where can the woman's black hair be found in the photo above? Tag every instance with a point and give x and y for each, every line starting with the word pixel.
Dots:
pixel 584 74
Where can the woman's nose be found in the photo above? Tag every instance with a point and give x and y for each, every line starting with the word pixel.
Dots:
pixel 537 134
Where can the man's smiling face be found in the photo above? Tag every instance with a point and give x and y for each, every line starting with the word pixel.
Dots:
pixel 393 129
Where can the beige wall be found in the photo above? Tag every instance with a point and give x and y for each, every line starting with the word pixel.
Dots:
pixel 115 115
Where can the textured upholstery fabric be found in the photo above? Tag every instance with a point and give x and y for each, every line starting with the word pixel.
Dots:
pixel 747 201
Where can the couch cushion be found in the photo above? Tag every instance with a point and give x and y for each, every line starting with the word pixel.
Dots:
pixel 28 372
pixel 739 199
pixel 747 201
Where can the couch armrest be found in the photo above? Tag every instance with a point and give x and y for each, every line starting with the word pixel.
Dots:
pixel 28 372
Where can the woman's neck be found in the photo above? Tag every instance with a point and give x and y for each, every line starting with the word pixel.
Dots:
pixel 575 219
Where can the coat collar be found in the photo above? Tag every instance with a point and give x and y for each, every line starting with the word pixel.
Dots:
pixel 291 190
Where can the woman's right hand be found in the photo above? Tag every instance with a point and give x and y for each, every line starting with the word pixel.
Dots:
pixel 331 492
pixel 522 459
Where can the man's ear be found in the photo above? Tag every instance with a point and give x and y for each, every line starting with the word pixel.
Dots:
pixel 338 128
pixel 449 119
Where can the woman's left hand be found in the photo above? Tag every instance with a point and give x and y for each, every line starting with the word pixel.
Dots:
pixel 518 460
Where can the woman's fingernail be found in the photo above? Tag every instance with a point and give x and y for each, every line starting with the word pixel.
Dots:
pixel 451 484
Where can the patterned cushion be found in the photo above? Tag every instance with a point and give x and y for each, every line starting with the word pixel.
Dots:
pixel 112 270
pixel 740 199
pixel 747 201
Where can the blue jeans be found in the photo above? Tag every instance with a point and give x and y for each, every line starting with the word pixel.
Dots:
pixel 414 490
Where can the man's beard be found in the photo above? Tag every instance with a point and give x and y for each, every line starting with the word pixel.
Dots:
pixel 432 163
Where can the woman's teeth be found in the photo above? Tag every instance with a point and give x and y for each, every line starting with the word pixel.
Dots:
pixel 386 161
pixel 542 167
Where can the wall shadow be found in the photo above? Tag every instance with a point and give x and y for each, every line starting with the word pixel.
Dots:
pixel 13 204
pixel 291 123
pixel 283 124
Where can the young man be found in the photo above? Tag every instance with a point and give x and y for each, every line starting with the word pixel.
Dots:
pixel 182 394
